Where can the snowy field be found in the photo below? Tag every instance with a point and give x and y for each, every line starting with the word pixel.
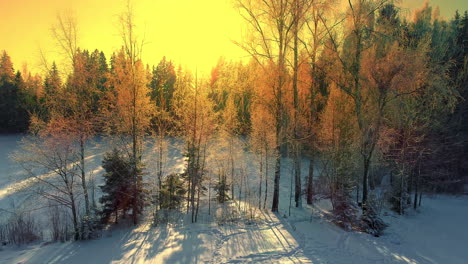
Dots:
pixel 437 233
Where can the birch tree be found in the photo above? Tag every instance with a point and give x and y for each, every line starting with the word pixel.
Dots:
pixel 272 25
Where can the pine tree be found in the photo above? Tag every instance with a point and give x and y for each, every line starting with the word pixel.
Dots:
pixel 172 192
pixel 13 115
pixel 222 189
pixel 116 192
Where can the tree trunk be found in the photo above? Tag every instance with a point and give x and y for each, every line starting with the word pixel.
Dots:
pixel 402 188
pixel 241 180
pixel 364 181
pixel 192 196
pixel 260 183
pixel 209 196
pixel 198 204
pixel 189 190
pixel 310 182
pixel 297 179
pixel 160 155
pixel 266 178
pixel 232 167
pixel 75 217
pixel 290 194
pixel 135 202
pixel 357 191
pixel 274 207
pixel 83 175
pixel 416 186
pixel 297 147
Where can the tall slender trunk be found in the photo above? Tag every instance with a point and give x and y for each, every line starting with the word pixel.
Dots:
pixel 297 179
pixel 266 177
pixel 231 159
pixel 410 187
pixel 209 196
pixel 401 193
pixel 241 181
pixel 198 204
pixel 189 177
pixel 357 191
pixel 291 192
pixel 279 119
pixel 189 190
pixel 364 181
pixel 274 207
pixel 93 193
pixel 160 157
pixel 296 144
pixel 74 215
pixel 416 187
pixel 83 174
pixel 135 154
pixel 260 182
pixel 192 195
pixel 356 72
pixel 310 182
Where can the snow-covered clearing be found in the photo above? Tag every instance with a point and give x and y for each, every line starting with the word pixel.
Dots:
pixel 436 234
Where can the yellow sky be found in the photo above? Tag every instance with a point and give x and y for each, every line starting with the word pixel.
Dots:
pixel 193 33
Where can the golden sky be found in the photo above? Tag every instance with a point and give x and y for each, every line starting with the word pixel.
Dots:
pixel 193 33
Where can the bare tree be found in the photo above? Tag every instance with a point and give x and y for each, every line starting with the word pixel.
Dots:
pixel 49 160
pixel 272 25
pixel 357 34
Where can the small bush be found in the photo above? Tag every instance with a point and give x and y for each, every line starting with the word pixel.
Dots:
pixel 19 230
pixel 90 227
pixel 344 211
pixel 372 223
pixel 61 227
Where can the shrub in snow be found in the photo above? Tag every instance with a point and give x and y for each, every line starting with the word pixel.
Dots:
pixel 19 230
pixel 371 222
pixel 60 224
pixel 344 210
pixel 90 227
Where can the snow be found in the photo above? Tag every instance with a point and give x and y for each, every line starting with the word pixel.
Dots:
pixel 436 233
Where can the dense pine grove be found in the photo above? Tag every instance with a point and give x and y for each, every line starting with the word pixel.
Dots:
pixel 380 94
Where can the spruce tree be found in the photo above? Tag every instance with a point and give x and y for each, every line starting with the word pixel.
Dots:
pixel 116 193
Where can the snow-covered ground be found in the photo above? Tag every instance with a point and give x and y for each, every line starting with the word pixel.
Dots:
pixel 437 233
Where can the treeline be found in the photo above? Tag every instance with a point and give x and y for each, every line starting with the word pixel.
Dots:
pixel 367 94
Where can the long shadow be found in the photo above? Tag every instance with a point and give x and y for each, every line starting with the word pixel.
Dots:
pixel 126 245
pixel 189 248
pixel 338 245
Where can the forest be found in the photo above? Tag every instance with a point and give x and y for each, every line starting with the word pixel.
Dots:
pixel 360 104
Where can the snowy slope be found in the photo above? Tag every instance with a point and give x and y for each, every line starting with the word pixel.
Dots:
pixel 436 234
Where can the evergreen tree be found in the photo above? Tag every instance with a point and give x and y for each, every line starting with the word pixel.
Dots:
pixel 13 115
pixel 222 189
pixel 172 192
pixel 116 192
pixel 162 84
pixel 52 88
